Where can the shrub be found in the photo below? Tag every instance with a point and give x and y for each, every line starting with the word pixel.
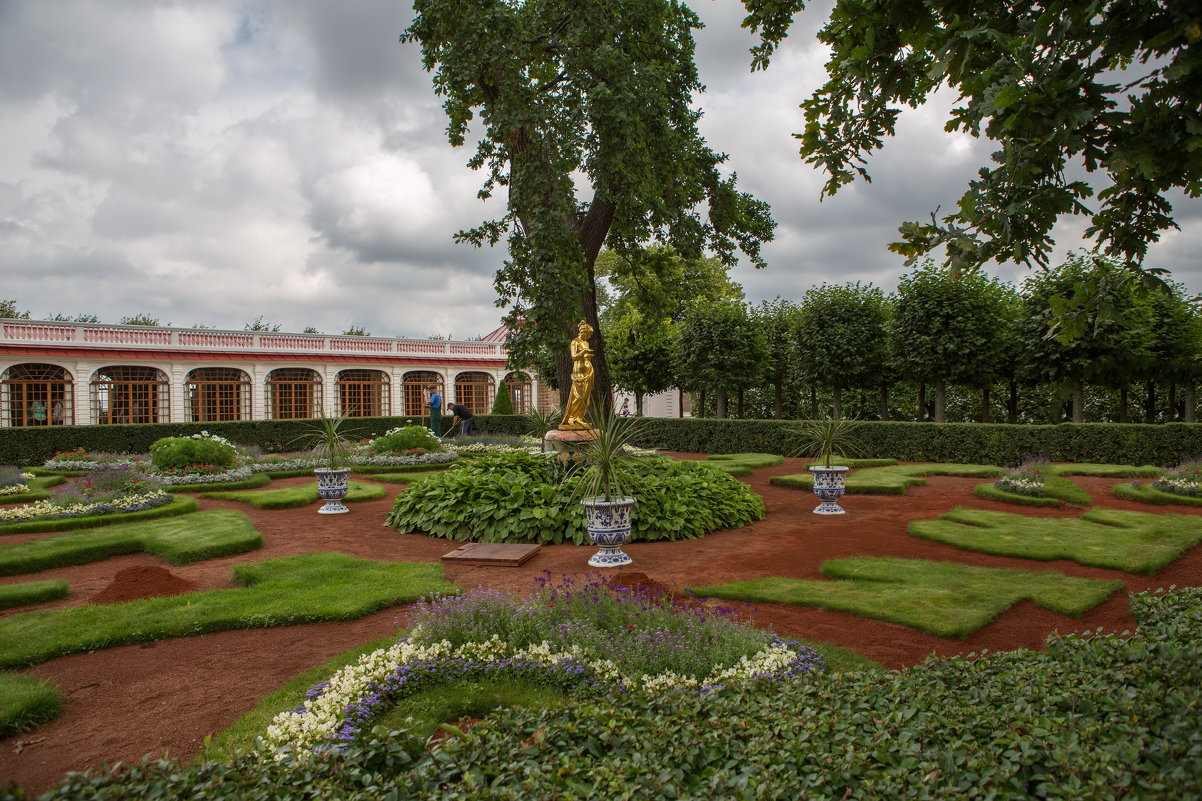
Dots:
pixel 175 453
pixel 503 403
pixel 405 441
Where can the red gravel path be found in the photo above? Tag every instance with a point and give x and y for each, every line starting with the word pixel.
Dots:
pixel 155 698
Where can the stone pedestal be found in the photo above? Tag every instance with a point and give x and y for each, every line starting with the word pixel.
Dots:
pixel 568 443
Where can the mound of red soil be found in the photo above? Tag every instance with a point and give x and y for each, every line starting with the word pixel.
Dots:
pixel 142 581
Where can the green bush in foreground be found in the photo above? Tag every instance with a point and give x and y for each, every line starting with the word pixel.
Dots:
pixel 1098 717
pixel 176 453
pixel 25 702
pixel 511 498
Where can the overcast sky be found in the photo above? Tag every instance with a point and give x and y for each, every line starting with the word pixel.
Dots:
pixel 210 162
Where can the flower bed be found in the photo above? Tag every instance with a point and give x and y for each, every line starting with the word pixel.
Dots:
pixel 79 459
pixel 1185 479
pixel 13 481
pixel 1026 479
pixel 202 474
pixel 584 638
pixel 50 509
pixel 111 488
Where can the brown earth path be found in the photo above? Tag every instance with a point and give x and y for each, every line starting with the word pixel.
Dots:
pixel 165 697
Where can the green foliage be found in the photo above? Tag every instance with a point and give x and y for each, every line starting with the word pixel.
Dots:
pixel 503 404
pixel 778 319
pixel 719 346
pixel 893 480
pixel 641 351
pixel 609 472
pixel 826 438
pixel 509 498
pixel 292 497
pixel 406 439
pixel 36 444
pixel 430 709
pixel 741 464
pixel 277 592
pixel 403 478
pixel 1055 490
pixel 8 310
pixel 1146 493
pixel 30 592
pixel 842 337
pixel 26 702
pixel 1105 470
pixel 942 598
pixel 141 318
pixel 1134 542
pixel 179 452
pixel 176 506
pixel 1079 719
pixel 659 283
pixel 329 441
pixel 177 540
pixel 992 492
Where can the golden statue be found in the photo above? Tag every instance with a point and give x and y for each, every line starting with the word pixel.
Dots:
pixel 576 411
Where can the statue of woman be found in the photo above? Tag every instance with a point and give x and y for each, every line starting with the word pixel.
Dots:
pixel 576 412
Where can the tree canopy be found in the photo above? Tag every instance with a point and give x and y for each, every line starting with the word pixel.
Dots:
pixel 641 351
pixel 1112 86
pixel 842 338
pixel 586 119
pixel 720 345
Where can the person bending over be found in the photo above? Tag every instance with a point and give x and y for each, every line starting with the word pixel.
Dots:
pixel 467 421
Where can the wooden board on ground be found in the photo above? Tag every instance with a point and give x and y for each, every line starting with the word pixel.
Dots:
pixel 491 553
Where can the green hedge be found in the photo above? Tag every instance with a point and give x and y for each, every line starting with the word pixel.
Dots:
pixel 971 443
pixel 978 443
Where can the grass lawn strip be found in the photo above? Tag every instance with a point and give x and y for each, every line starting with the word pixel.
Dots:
pixel 256 480
pixel 1134 542
pixel 741 464
pixel 176 506
pixel 942 598
pixel 401 478
pixel 25 702
pixel 177 540
pixel 31 592
pixel 1146 493
pixel 38 488
pixel 848 461
pixel 894 479
pixel 292 497
pixel 1105 470
pixel 277 592
pixel 368 469
pixel 1055 490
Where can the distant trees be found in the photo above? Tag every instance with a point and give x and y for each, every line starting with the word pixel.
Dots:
pixel 720 348
pixel 641 350
pixel 141 319
pixel 356 331
pixel 258 324
pixel 8 309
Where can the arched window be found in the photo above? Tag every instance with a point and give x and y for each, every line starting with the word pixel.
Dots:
pixel 130 395
pixel 363 393
pixel 475 391
pixel 36 395
pixel 413 391
pixel 217 393
pixel 292 393
pixel 521 393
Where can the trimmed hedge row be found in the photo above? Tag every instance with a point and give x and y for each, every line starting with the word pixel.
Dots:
pixel 970 443
pixel 976 443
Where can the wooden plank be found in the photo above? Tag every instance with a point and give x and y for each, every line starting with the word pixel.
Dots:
pixel 492 553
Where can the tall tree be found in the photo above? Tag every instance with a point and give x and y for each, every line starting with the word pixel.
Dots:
pixel 597 98
pixel 1112 84
pixel 641 351
pixel 949 328
pixel 660 283
pixel 1175 350
pixel 778 319
pixel 842 338
pixel 719 347
pixel 1110 351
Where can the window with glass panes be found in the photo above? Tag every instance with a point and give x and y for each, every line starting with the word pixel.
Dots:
pixel 293 393
pixel 475 391
pixel 363 393
pixel 36 395
pixel 217 393
pixel 130 394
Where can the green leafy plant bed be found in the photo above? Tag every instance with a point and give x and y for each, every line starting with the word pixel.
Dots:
pixel 31 592
pixel 1146 493
pixel 277 592
pixel 1055 490
pixel 894 479
pixel 25 702
pixel 514 498
pixel 582 637
pixel 38 489
pixel 942 598
pixel 177 540
pixel 1094 716
pixel 176 506
pixel 256 480
pixel 741 464
pixel 292 497
pixel 1135 542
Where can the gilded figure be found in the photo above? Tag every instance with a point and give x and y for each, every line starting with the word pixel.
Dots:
pixel 575 414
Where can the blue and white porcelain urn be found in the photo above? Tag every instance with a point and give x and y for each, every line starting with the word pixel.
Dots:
pixel 332 486
pixel 609 528
pixel 829 487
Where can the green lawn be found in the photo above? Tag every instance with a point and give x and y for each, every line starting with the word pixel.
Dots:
pixel 1135 542
pixel 1146 493
pixel 277 592
pixel 292 497
pixel 31 592
pixel 741 464
pixel 1105 470
pixel 943 598
pixel 178 540
pixel 25 702
pixel 402 478
pixel 894 479
pixel 1055 490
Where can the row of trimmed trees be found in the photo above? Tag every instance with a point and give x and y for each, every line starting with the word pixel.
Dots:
pixel 942 347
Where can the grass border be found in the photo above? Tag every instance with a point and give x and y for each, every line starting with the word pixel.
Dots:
pixel 357 491
pixel 991 492
pixel 38 489
pixel 1146 493
pixel 254 482
pixel 32 592
pixel 26 702
pixel 176 506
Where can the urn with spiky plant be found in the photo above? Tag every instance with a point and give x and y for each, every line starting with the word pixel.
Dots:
pixel 824 439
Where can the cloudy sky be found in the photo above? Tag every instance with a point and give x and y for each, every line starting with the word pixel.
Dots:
pixel 211 161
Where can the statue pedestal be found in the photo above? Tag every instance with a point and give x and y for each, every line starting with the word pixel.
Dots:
pixel 568 444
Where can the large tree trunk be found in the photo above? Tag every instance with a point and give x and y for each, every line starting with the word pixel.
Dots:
pixel 884 401
pixel 740 407
pixel 638 404
pixel 1150 403
pixel 985 404
pixel 1012 404
pixel 922 402
pixel 940 401
pixel 1173 403
pixel 1190 403
pixel 720 394
pixel 1078 401
pixel 838 403
pixel 1123 403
